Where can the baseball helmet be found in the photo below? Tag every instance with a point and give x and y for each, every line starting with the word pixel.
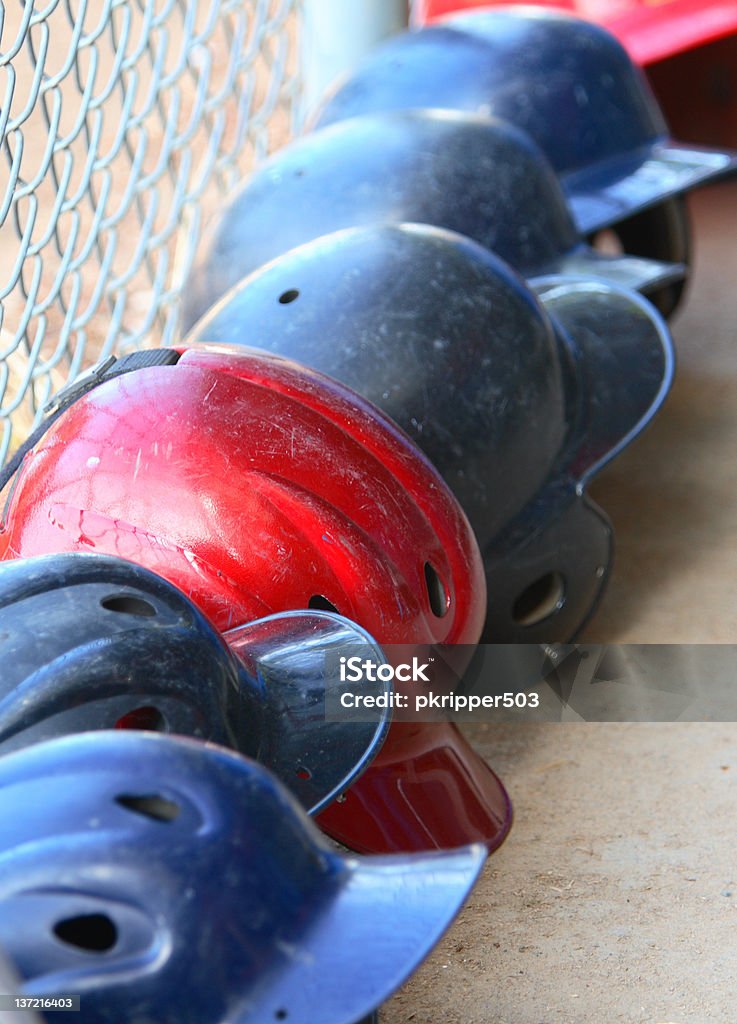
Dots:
pixel 166 880
pixel 573 88
pixel 92 642
pixel 567 83
pixel 649 31
pixel 257 486
pixel 517 402
pixel 463 172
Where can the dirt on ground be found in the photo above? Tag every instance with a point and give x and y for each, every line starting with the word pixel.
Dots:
pixel 614 899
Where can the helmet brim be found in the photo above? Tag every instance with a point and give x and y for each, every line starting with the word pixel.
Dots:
pixel 392 911
pixel 609 192
pixel 428 789
pixel 632 272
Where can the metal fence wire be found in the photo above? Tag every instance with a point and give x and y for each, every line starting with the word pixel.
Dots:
pixel 123 123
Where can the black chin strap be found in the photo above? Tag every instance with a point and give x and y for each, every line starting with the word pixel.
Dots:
pixel 105 370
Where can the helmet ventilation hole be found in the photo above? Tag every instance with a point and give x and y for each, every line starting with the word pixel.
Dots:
pixel 289 296
pixel 147 719
pixel 150 805
pixel 318 603
pixel 303 773
pixel 281 1014
pixel 128 605
pixel 436 592
pixel 541 599
pixel 95 933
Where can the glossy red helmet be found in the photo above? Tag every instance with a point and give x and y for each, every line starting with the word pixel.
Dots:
pixel 257 486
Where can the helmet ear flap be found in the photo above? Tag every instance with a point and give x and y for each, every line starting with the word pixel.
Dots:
pixel 92 642
pixel 99 925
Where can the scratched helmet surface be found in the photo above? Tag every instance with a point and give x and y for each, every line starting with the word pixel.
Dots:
pixel 569 84
pixel 475 175
pixel 171 882
pixel 517 399
pixel 573 88
pixel 257 486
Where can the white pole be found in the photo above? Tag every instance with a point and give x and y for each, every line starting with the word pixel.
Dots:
pixel 336 34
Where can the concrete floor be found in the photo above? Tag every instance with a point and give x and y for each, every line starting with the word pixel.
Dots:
pixel 615 897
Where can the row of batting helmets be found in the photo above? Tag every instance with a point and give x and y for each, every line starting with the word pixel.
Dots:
pixel 278 502
pixel 171 879
pixel 402 361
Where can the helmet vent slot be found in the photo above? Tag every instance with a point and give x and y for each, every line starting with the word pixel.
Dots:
pixel 150 805
pixel 539 600
pixel 289 296
pixel 147 719
pixel 436 592
pixel 95 933
pixel 303 773
pixel 128 605
pixel 318 603
pixel 281 1015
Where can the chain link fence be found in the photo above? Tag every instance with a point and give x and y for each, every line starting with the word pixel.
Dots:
pixel 122 123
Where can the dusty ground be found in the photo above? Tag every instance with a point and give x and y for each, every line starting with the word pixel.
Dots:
pixel 615 897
